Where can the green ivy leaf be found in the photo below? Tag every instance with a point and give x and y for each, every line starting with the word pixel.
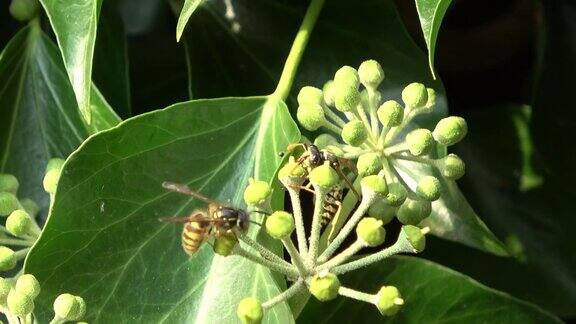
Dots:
pixel 431 293
pixel 39 118
pixel 103 239
pixel 431 13
pixel 74 23
pixel 187 10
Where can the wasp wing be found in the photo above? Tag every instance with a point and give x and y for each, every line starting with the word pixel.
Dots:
pixel 184 189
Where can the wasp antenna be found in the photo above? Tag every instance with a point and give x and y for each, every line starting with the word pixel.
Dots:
pixel 262 212
pixel 256 223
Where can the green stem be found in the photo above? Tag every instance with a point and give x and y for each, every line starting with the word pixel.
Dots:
pixel 395 149
pixel 316 224
pixel 332 115
pixel 298 47
pixel 285 295
pixel 413 159
pixel 298 219
pixel 343 256
pixel 374 123
pixel 296 257
pixel 330 126
pixel 21 254
pixel 401 246
pixel 15 242
pixel 56 320
pixel 264 252
pixel 355 294
pixel 289 271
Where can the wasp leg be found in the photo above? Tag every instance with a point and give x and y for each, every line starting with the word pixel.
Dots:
pixel 301 188
pixel 350 185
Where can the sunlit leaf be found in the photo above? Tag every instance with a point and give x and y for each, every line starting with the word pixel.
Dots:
pixel 431 13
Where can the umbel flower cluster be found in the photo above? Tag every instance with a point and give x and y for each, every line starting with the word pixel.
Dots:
pixel 369 137
pixel 17 293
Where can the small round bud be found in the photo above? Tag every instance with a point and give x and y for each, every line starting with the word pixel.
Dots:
pixel 374 184
pixel 5 287
pixel 419 141
pixel 450 130
pixel 396 194
pixel 18 223
pixel 7 259
pixel 415 95
pixel 311 117
pixel 431 98
pixel 8 203
pixel 55 164
pixel 28 285
pixel 257 192
pixel 8 183
pixel 369 164
pixel 389 300
pixel 310 96
pixel 280 224
pixel 69 307
pixel 23 10
pixel 225 244
pixel 329 91
pixel 30 206
pixel 390 113
pixel 413 211
pixel 291 170
pixel 347 76
pixel 382 211
pixel 415 236
pixel 250 311
pixel 371 74
pixel 336 150
pixel 50 181
pixel 428 188
pixel 354 133
pixel 19 303
pixel 453 167
pixel 324 286
pixel 346 98
pixel 324 176
pixel 324 140
pixel 370 231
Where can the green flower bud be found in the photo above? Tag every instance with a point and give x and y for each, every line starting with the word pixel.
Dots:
pixel 257 192
pixel 55 164
pixel 250 311
pixel 8 183
pixel 354 133
pixel 324 286
pixel 8 203
pixel 7 259
pixel 428 188
pixel 291 170
pixel 311 117
pixel 450 130
pixel 19 223
pixel 347 76
pixel 324 176
pixel 324 140
pixel 346 98
pixel 51 179
pixel 370 231
pixel 19 303
pixel 28 285
pixel 329 91
pixel 336 150
pixel 382 211
pixel 23 10
pixel 453 167
pixel 5 287
pixel 419 141
pixel 415 95
pixel 396 194
pixel 369 164
pixel 390 113
pixel 431 98
pixel 389 300
pixel 310 96
pixel 371 74
pixel 374 184
pixel 225 244
pixel 30 207
pixel 412 212
pixel 415 236
pixel 280 224
pixel 69 307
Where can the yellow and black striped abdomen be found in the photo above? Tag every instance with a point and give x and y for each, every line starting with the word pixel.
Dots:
pixel 193 234
pixel 331 206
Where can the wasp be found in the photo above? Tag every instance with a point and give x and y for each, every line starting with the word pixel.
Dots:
pixel 218 219
pixel 313 157
pixel 332 204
